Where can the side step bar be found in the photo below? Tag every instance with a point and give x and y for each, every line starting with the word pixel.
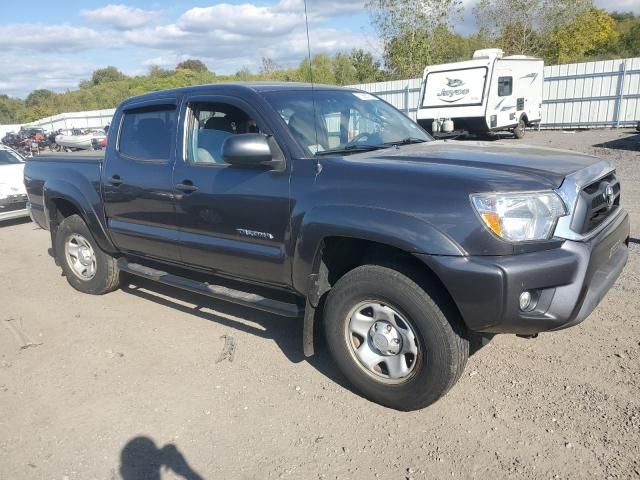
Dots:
pixel 218 292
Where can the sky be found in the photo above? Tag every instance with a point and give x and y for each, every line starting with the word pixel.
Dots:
pixel 55 45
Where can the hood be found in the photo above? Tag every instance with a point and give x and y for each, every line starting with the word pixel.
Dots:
pixel 550 165
pixel 11 180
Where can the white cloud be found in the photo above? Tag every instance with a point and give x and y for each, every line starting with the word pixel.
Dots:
pixel 244 19
pixel 619 5
pixel 120 17
pixel 226 37
pixel 22 74
pixel 40 37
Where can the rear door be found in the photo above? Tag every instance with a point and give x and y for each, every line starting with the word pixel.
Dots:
pixel 137 184
pixel 233 220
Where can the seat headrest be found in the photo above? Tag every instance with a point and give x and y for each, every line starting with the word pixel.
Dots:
pixel 219 123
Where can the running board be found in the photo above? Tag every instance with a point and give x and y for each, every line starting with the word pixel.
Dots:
pixel 218 292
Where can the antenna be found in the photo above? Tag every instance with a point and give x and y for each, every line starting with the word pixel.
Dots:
pixel 313 98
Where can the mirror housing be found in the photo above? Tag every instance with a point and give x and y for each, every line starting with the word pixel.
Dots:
pixel 248 150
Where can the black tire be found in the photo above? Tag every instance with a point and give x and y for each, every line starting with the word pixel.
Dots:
pixel 107 275
pixel 520 129
pixel 443 349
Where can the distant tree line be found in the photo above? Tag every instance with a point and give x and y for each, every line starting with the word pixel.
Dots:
pixel 414 34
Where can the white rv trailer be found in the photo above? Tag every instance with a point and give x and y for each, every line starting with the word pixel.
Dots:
pixel 491 92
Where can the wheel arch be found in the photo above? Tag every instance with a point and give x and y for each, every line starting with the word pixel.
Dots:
pixel 62 199
pixel 338 255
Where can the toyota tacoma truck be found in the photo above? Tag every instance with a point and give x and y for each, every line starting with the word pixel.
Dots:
pixel 329 205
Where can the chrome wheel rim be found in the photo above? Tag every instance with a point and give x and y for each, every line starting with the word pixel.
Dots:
pixel 382 341
pixel 80 257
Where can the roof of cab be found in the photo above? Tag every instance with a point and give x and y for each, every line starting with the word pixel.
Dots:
pixel 257 87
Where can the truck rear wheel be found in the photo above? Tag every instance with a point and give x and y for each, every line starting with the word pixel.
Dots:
pixel 391 339
pixel 87 268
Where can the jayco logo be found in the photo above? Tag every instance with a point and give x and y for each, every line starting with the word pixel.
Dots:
pixel 453 93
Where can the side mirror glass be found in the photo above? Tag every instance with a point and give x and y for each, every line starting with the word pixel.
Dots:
pixel 247 149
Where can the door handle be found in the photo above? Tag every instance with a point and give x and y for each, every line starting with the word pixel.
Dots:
pixel 187 187
pixel 115 180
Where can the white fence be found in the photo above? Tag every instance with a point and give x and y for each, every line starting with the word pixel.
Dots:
pixel 591 94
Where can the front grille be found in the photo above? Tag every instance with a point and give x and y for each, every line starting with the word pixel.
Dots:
pixel 596 202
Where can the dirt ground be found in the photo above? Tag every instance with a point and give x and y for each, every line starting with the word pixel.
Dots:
pixel 127 385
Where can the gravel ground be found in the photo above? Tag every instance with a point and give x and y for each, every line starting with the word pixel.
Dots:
pixel 127 385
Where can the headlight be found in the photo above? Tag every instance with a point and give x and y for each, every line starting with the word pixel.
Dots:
pixel 519 217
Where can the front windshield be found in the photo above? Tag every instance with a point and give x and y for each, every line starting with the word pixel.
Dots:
pixel 341 121
pixel 7 158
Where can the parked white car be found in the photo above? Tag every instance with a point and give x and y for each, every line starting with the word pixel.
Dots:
pixel 13 195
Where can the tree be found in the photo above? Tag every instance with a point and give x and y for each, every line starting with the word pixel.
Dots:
pixel 585 34
pixel 38 97
pixel 244 74
pixel 12 110
pixel 107 74
pixel 407 29
pixel 343 70
pixel 192 64
pixel 367 69
pixel 631 40
pixel 268 68
pixel 158 72
pixel 520 26
pixel 320 71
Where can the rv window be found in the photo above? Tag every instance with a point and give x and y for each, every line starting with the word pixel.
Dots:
pixel 505 86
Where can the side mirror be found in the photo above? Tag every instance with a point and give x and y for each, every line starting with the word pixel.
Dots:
pixel 247 149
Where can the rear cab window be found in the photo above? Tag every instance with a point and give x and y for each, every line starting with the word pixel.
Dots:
pixel 146 133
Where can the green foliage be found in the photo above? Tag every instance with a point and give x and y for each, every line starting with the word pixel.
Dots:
pixel 410 31
pixel 12 110
pixel 106 75
pixel 367 68
pixel 192 64
pixel 158 72
pixel 588 32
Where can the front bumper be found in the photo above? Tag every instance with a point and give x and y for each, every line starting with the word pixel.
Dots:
pixel 568 281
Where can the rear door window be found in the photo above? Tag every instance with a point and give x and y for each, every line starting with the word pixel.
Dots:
pixel 146 133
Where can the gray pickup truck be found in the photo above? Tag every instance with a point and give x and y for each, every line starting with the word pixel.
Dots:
pixel 328 204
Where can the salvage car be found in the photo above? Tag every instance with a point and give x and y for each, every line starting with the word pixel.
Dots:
pixel 329 205
pixel 13 196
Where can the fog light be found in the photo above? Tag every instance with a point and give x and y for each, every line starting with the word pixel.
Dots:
pixel 527 302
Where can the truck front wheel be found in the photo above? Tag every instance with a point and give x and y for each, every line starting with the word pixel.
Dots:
pixel 392 340
pixel 87 268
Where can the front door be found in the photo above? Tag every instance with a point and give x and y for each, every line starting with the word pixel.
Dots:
pixel 232 220
pixel 137 183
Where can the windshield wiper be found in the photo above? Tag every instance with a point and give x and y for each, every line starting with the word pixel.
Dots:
pixel 406 141
pixel 352 149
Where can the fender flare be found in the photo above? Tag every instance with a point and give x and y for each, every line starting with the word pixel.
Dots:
pixel 387 227
pixel 88 203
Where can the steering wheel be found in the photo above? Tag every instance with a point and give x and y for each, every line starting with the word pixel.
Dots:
pixel 358 138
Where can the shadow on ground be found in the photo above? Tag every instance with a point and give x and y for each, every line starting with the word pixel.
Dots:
pixel 286 332
pixel 141 459
pixel 630 143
